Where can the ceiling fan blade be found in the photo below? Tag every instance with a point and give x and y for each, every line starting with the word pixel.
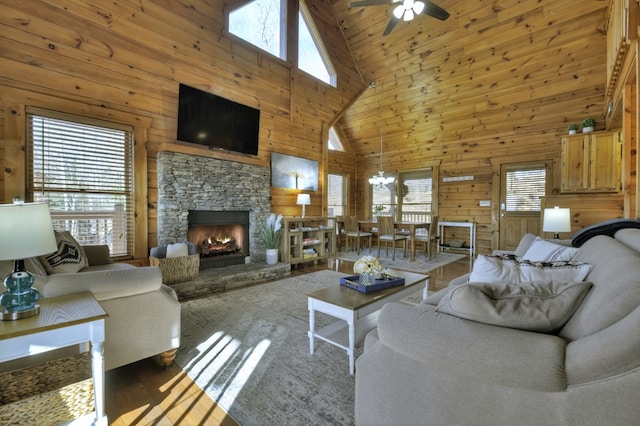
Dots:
pixel 370 3
pixel 391 25
pixel 434 10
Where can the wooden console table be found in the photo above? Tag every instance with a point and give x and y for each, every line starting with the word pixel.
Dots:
pixel 63 321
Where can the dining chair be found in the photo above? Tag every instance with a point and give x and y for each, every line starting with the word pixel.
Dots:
pixel 430 237
pixel 353 232
pixel 387 233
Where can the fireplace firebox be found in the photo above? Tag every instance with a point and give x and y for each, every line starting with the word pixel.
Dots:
pixel 221 237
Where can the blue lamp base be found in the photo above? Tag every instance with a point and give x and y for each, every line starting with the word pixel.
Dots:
pixel 20 300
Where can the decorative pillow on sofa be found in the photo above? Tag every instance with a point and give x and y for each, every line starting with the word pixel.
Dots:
pixel 542 250
pixel 540 306
pixel 514 270
pixel 70 256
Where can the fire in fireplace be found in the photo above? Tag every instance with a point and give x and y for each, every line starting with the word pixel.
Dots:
pixel 221 237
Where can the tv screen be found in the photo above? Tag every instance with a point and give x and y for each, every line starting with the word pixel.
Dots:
pixel 207 119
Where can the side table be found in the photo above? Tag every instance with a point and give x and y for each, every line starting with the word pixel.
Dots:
pixel 63 321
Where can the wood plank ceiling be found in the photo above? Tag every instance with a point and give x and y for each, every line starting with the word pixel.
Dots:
pixel 494 69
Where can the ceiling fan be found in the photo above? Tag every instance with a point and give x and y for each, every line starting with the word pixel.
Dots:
pixel 405 10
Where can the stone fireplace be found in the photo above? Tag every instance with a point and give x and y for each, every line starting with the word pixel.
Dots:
pixel 221 237
pixel 192 187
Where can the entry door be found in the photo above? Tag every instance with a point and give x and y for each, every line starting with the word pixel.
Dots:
pixel 521 187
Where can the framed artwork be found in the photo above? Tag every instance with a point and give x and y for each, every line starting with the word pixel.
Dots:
pixel 293 172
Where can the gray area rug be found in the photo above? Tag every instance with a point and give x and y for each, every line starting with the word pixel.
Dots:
pixel 249 350
pixel 421 265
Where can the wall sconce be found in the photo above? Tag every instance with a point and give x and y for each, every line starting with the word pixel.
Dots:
pixel 556 220
pixel 303 200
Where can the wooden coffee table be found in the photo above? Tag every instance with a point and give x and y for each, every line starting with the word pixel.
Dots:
pixel 355 311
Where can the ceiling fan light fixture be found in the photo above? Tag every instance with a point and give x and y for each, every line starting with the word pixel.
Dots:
pixel 380 180
pixel 418 7
pixel 408 15
pixel 398 11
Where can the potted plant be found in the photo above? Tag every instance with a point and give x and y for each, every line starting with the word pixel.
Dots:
pixel 271 231
pixel 588 124
pixel 573 128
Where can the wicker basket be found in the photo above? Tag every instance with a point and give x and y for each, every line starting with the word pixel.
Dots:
pixel 177 269
pixel 48 394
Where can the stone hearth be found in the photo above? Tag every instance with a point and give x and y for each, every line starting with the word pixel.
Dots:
pixel 190 182
pixel 229 278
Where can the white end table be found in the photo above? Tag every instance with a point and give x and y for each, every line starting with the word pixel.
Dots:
pixel 356 312
pixel 63 321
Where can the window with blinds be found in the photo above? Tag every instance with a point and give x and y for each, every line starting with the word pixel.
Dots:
pixel 524 188
pixel 336 195
pixel 84 169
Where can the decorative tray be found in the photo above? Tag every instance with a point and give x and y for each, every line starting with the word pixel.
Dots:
pixel 353 282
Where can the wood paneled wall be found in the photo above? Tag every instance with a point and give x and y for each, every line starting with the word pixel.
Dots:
pixel 125 59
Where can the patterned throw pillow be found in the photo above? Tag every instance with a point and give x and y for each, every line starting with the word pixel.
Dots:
pixel 70 256
pixel 514 270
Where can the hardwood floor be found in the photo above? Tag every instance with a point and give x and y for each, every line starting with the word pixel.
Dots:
pixel 143 393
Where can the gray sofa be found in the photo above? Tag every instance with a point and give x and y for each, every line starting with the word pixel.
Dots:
pixel 425 367
pixel 144 314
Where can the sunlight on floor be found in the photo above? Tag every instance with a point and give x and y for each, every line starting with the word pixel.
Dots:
pixel 226 365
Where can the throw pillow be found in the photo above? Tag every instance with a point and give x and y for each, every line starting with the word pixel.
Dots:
pixel 177 250
pixel 70 256
pixel 514 270
pixel 542 250
pixel 540 306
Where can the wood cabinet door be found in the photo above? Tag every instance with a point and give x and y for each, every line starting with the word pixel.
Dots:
pixel 605 162
pixel 575 163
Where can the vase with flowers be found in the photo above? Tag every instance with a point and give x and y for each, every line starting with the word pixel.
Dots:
pixel 271 231
pixel 368 268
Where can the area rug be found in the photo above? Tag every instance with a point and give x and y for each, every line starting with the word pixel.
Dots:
pixel 249 350
pixel 421 265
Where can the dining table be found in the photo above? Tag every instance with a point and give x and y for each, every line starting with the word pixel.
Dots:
pixel 410 226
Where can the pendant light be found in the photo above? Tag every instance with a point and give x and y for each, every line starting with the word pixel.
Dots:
pixel 380 181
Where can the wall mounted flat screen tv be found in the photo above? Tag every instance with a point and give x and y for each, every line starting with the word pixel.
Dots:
pixel 216 122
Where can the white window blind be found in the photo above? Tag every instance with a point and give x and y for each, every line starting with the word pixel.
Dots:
pixel 336 195
pixel 524 189
pixel 84 169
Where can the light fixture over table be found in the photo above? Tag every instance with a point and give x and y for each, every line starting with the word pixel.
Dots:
pixel 26 230
pixel 380 180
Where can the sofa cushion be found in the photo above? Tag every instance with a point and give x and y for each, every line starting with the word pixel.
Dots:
pixel 513 270
pixel 542 250
pixel 630 237
pixel 541 306
pixel 616 287
pixel 70 256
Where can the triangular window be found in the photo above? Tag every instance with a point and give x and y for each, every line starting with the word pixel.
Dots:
pixel 312 55
pixel 263 24
pixel 335 144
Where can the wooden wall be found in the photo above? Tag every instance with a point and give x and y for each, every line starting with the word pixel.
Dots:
pixel 494 82
pixel 124 59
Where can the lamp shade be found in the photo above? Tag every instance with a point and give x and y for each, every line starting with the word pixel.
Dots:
pixel 557 220
pixel 303 199
pixel 26 231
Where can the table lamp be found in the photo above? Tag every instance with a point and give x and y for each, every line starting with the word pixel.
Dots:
pixel 26 231
pixel 303 200
pixel 556 220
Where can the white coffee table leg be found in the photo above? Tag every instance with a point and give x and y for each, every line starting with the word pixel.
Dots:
pixel 312 326
pixel 352 344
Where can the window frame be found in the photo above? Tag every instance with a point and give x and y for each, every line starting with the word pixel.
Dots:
pixel 91 221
